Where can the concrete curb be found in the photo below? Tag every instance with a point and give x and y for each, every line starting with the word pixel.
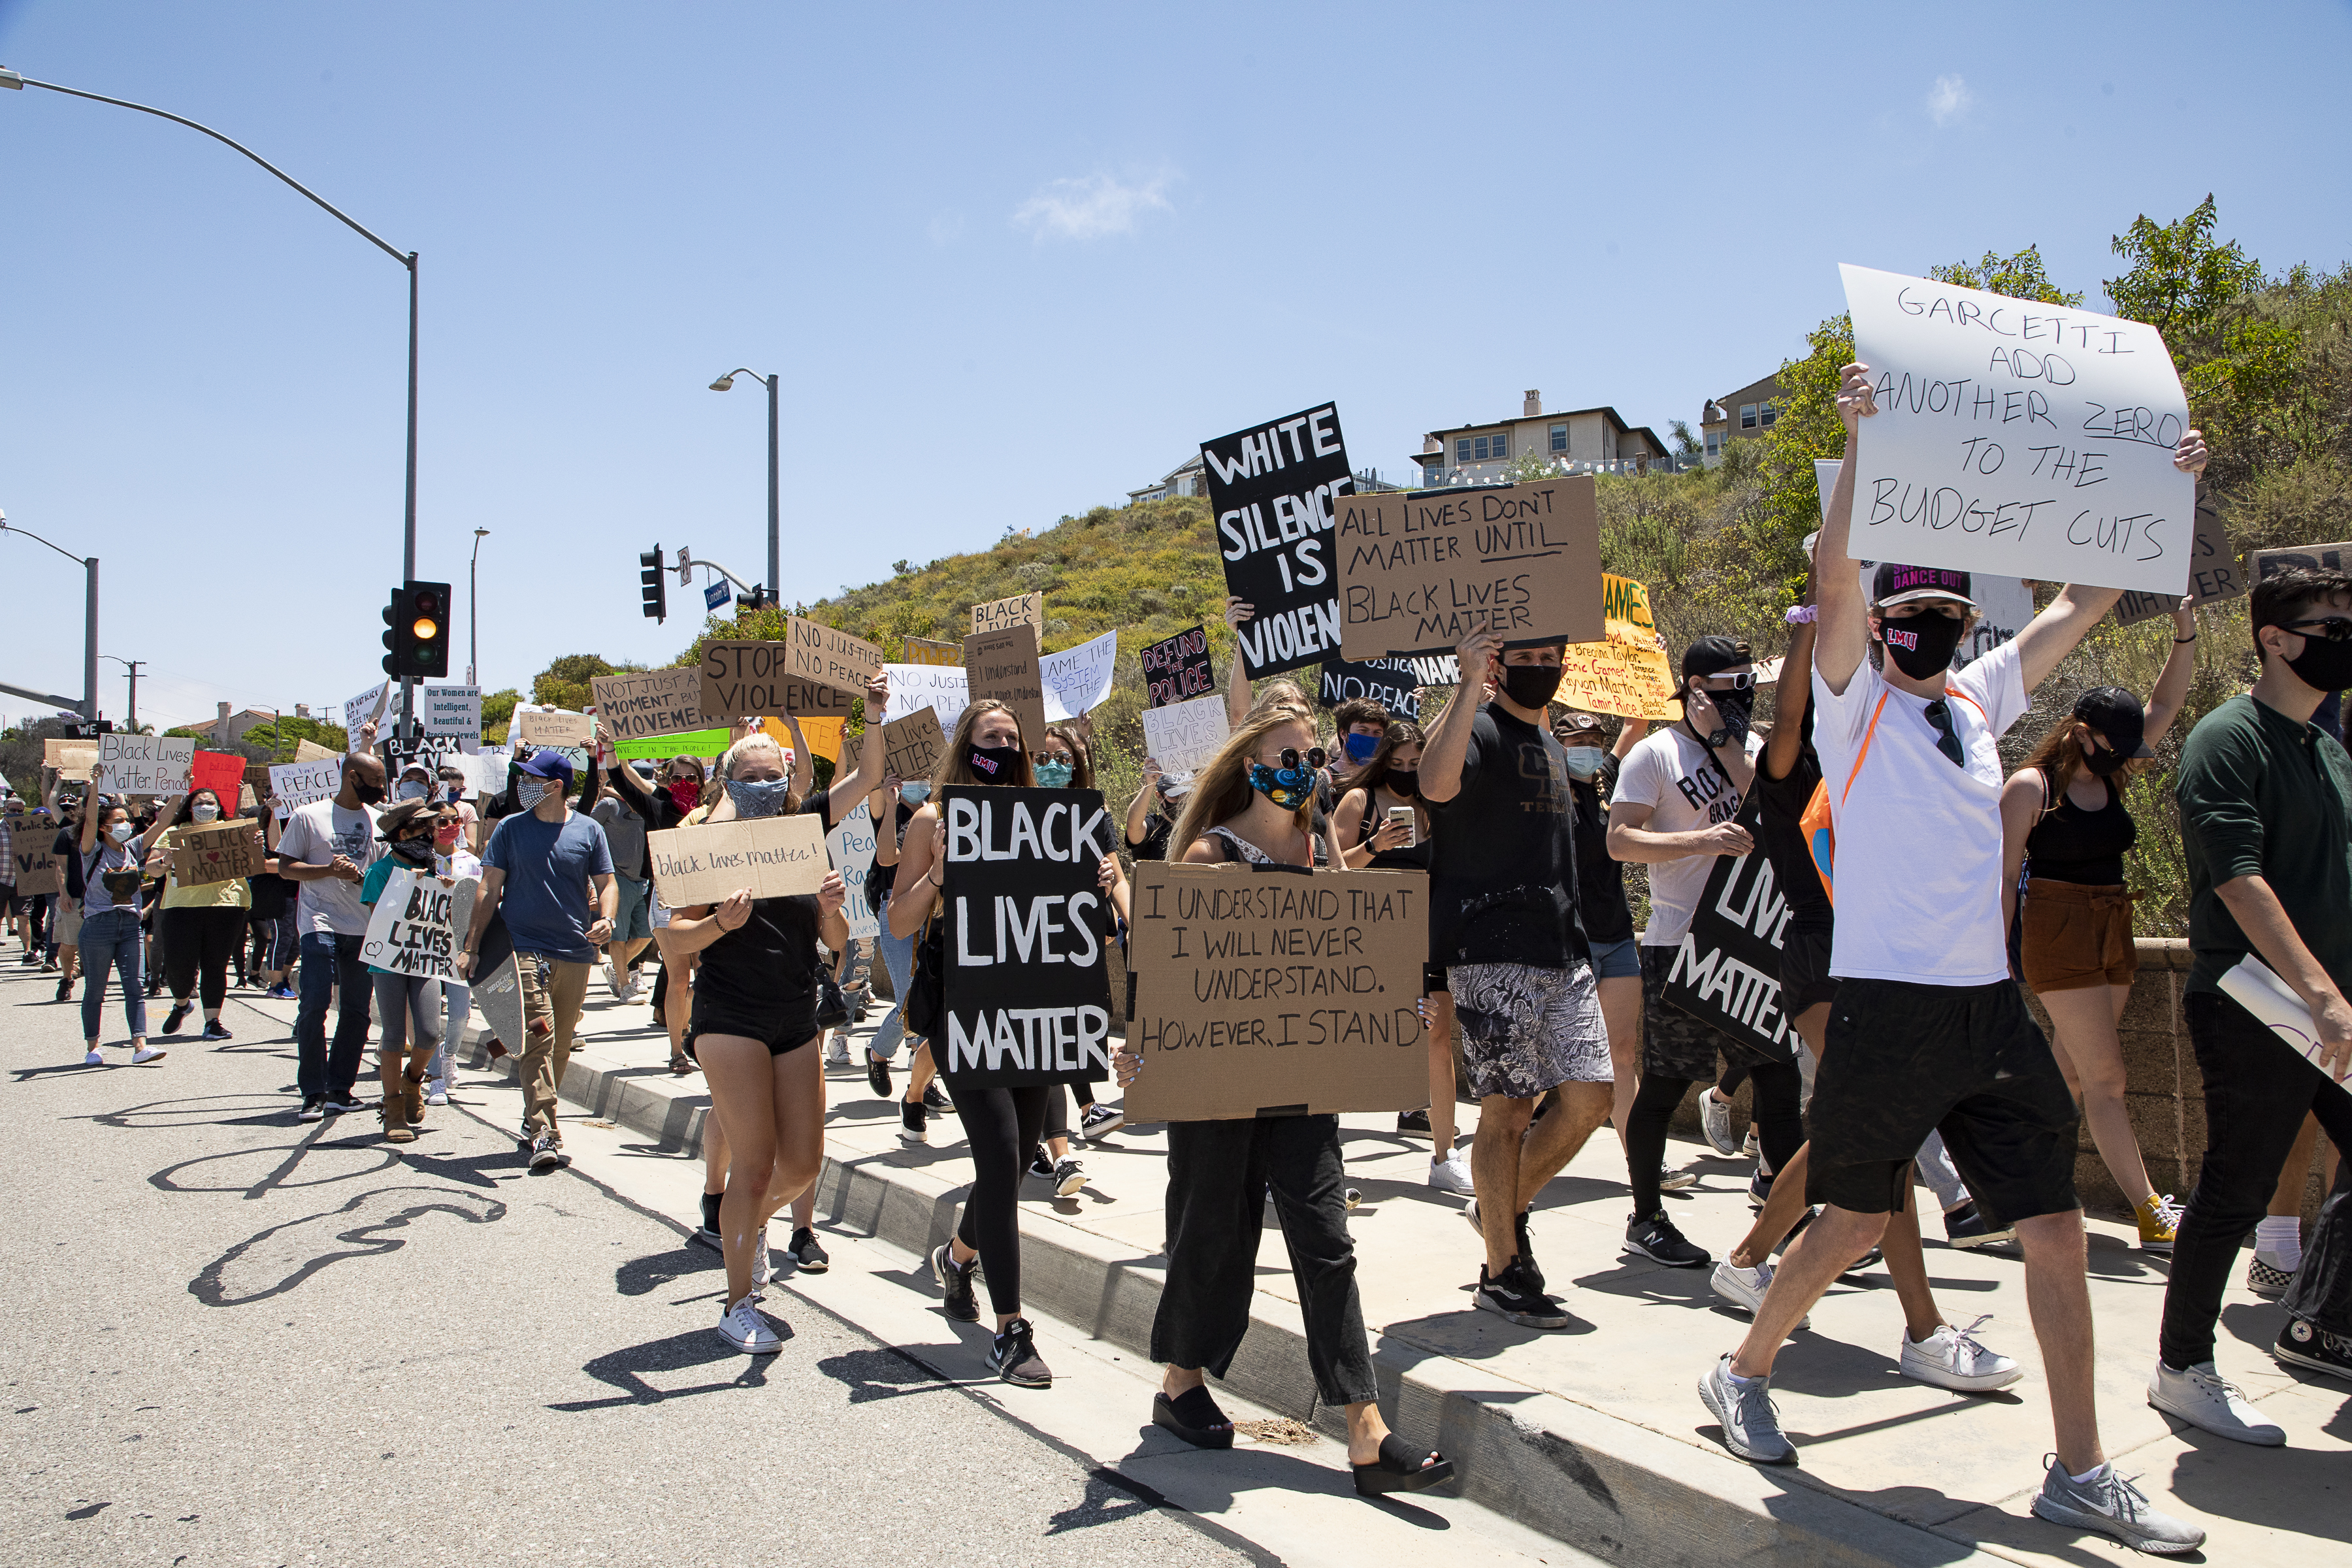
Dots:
pixel 1601 1483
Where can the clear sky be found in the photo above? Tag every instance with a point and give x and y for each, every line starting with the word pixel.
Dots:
pixel 1012 260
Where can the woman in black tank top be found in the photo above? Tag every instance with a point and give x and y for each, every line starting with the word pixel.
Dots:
pixel 2066 830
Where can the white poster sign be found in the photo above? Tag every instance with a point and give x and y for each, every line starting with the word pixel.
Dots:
pixel 299 783
pixel 2007 603
pixel 850 847
pixel 1183 736
pixel 451 711
pixel 2015 438
pixel 369 704
pixel 941 687
pixel 144 765
pixel 1078 679
pixel 418 924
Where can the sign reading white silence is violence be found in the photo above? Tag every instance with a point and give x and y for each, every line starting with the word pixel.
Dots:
pixel 1271 487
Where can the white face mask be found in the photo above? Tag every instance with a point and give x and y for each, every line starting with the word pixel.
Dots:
pixel 529 791
pixel 415 789
pixel 205 813
pixel 120 832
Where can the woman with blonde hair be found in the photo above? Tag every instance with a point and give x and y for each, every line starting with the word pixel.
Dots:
pixel 2064 821
pixel 1251 807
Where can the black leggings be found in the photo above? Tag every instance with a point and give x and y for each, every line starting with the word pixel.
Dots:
pixel 200 943
pixel 1780 1127
pixel 1002 1125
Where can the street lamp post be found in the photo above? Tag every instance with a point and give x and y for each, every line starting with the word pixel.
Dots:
pixel 19 81
pixel 727 384
pixel 473 619
pixel 89 621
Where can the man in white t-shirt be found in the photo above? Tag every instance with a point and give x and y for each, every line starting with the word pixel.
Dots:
pixel 326 847
pixel 1928 1031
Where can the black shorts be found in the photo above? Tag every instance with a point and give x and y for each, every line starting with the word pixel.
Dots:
pixel 797 1028
pixel 1903 1060
pixel 8 900
pixel 1805 978
pixel 1673 1043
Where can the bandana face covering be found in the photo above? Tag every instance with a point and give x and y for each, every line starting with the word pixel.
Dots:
pixel 1530 686
pixel 1922 646
pixel 1053 775
pixel 995 764
pixel 529 791
pixel 758 797
pixel 686 793
pixel 1288 788
pixel 413 851
pixel 1736 707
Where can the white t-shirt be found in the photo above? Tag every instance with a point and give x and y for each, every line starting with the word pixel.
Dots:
pixel 314 836
pixel 1686 788
pixel 1918 838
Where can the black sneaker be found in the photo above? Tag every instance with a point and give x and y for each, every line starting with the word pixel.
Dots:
pixel 807 1256
pixel 877 1075
pixel 2308 1345
pixel 1040 1165
pixel 1656 1240
pixel 345 1101
pixel 1967 1229
pixel 1517 1299
pixel 1527 1261
pixel 1014 1354
pixel 1413 1121
pixel 1069 1176
pixel 935 1099
pixel 955 1281
pixel 64 990
pixel 314 1109
pixel 213 1031
pixel 910 1122
pixel 1760 1191
pixel 1098 1120
pixel 175 1018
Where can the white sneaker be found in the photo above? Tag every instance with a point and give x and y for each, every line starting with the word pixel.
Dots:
pixel 2200 1397
pixel 762 1270
pixel 1715 1121
pixel 1952 1357
pixel 1745 1288
pixel 141 1054
pixel 436 1092
pixel 1748 1144
pixel 1450 1174
pixel 839 1056
pixel 612 977
pixel 745 1327
pixel 92 1059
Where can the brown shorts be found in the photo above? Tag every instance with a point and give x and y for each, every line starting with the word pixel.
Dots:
pixel 2077 936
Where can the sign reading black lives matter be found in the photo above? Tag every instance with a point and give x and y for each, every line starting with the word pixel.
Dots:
pixel 1727 971
pixel 1025 990
pixel 1271 487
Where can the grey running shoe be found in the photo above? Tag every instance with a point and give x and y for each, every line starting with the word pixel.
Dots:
pixel 1672 1181
pixel 2113 1506
pixel 2202 1397
pixel 1751 1427
pixel 1715 1121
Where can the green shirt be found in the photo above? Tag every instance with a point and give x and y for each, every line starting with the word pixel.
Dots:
pixel 2264 795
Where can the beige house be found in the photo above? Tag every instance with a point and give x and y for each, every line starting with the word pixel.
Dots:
pixel 1740 416
pixel 1189 478
pixel 226 727
pixel 1581 440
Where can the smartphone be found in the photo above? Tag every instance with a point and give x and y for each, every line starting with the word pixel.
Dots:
pixel 1402 816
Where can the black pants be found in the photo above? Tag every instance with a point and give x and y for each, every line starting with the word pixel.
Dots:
pixel 2322 1291
pixel 1780 1125
pixel 1002 1126
pixel 2256 1094
pixel 197 947
pixel 1218 1176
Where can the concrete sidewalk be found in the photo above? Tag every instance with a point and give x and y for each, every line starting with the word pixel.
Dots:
pixel 1596 1435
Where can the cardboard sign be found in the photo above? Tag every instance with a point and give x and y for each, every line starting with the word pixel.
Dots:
pixel 2214 574
pixel 1003 666
pixel 298 783
pixel 825 656
pixel 38 870
pixel 641 707
pixel 220 772
pixel 998 615
pixel 1183 736
pixel 1078 679
pixel 1393 683
pixel 72 759
pixel 1178 669
pixel 850 847
pixel 452 710
pixel 1727 971
pixel 564 730
pixel 1420 571
pixel 911 746
pixel 418 924
pixel 914 687
pixel 1627 672
pixel 2265 564
pixel 220 853
pixel 1276 993
pixel 311 752
pixel 2017 438
pixel 743 679
pixel 144 765
pixel 1026 995
pixel 775 856
pixel 923 650
pixel 1273 489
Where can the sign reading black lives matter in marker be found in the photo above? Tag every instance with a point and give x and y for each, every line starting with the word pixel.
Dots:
pixel 2017 438
pixel 1177 669
pixel 1420 571
pixel 1025 990
pixel 1727 971
pixel 1272 488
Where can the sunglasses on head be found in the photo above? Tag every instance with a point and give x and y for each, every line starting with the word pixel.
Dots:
pixel 2330 628
pixel 1316 758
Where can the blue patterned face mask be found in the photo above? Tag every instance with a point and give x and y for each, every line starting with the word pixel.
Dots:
pixel 1288 788
pixel 1053 775
pixel 758 797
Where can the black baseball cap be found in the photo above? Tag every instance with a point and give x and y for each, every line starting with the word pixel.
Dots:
pixel 1714 655
pixel 2116 714
pixel 1899 584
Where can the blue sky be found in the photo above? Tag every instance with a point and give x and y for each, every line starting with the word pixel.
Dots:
pixel 1011 261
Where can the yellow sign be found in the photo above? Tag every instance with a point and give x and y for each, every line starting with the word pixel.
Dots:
pixel 824 735
pixel 1627 672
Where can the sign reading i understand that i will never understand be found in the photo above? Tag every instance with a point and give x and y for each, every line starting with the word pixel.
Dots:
pixel 1269 993
pixel 1420 571
pixel 1026 994
pixel 1272 489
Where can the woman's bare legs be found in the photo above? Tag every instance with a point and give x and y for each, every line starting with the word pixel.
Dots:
pixel 2091 1055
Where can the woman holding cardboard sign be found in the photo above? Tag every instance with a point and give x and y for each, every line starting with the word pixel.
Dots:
pixel 1252 806
pixel 203 923
pixel 112 853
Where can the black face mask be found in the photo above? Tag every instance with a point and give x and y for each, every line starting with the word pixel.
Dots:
pixel 2322 665
pixel 412 851
pixel 1735 709
pixel 1406 783
pixel 1531 685
pixel 1929 640
pixel 367 793
pixel 995 764
pixel 2104 762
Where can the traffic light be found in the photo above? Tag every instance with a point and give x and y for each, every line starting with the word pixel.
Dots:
pixel 755 598
pixel 656 590
pixel 417 631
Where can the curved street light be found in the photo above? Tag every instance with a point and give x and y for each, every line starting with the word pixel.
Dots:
pixel 727 384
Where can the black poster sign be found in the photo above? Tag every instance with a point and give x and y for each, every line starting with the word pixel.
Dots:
pixel 1271 486
pixel 1393 683
pixel 1178 669
pixel 1025 990
pixel 1727 971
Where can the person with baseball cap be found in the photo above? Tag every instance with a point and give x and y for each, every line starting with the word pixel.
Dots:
pixel 407 1006
pixel 2065 829
pixel 1928 1031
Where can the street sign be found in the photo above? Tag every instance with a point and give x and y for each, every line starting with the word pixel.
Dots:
pixel 715 595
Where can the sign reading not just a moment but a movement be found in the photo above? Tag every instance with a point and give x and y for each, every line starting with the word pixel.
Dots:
pixel 645 706
pixel 1026 997
pixel 1420 571
pixel 2017 437
pixel 745 678
pixel 1177 669
pixel 419 923
pixel 1272 489
pixel 774 856
pixel 1727 970
pixel 1274 993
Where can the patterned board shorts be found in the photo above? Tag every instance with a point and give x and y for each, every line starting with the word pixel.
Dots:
pixel 1524 1030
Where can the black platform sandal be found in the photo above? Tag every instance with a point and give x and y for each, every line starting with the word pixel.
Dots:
pixel 1398 1469
pixel 1194 1415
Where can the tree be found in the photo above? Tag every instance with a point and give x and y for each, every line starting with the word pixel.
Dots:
pixel 564 683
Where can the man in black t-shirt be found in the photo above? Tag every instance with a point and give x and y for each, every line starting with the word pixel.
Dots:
pixel 1504 922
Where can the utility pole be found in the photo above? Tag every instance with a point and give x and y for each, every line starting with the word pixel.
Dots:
pixel 132 666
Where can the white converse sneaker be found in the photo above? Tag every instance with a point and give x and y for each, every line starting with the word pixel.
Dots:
pixel 92 1059
pixel 1745 1288
pixel 141 1056
pixel 1952 1357
pixel 746 1328
pixel 1450 1174
pixel 2202 1398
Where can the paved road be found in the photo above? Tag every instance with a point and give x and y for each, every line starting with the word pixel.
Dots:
pixel 232 1339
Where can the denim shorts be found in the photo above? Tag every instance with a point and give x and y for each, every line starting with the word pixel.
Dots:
pixel 1617 960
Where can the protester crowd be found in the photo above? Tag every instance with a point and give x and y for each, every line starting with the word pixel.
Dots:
pixel 1923 883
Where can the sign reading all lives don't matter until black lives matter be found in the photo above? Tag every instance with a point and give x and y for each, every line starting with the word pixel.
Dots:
pixel 1271 487
pixel 1026 991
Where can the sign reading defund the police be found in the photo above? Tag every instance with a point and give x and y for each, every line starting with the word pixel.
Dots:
pixel 1727 970
pixel 1026 991
pixel 1271 486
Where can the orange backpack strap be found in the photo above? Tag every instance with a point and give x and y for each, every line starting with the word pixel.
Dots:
pixel 1864 755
